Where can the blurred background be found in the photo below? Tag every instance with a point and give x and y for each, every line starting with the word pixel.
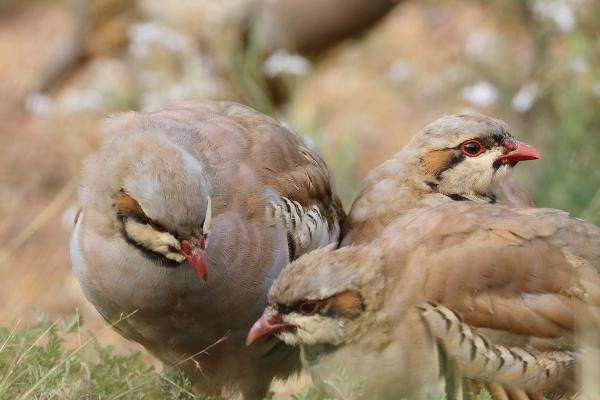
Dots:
pixel 360 77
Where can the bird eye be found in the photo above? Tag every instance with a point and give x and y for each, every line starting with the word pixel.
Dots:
pixel 309 307
pixel 472 148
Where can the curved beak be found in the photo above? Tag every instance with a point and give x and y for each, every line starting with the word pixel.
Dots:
pixel 194 251
pixel 518 151
pixel 269 323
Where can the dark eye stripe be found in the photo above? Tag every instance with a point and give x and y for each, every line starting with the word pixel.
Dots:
pixel 347 304
pixel 487 141
pixel 158 258
pixel 156 225
pixel 437 161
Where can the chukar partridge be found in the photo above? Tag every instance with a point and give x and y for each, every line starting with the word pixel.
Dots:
pixel 437 282
pixel 209 190
pixel 450 299
pixel 455 158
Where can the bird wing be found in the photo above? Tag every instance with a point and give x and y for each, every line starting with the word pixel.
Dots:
pixel 274 172
pixel 298 184
pixel 504 290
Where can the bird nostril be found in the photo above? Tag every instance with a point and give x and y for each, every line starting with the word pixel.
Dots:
pixel 173 249
pixel 510 144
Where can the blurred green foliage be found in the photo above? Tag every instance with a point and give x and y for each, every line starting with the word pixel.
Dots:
pixel 568 69
pixel 563 122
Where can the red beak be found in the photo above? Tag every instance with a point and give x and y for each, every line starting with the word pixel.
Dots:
pixel 193 250
pixel 518 151
pixel 270 322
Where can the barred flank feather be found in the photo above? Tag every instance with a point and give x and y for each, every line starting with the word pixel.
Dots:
pixel 307 228
pixel 478 359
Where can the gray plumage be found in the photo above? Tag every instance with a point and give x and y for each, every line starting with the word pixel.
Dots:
pixel 213 171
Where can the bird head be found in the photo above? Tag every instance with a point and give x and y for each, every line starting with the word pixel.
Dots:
pixel 153 193
pixel 467 154
pixel 323 298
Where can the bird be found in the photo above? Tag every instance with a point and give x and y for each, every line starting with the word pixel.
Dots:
pixel 447 300
pixel 187 216
pixel 447 281
pixel 460 157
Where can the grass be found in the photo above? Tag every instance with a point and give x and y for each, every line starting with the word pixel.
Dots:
pixel 37 362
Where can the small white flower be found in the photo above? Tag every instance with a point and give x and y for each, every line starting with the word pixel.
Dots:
pixel 282 62
pixel 560 11
pixel 38 103
pixel 525 97
pixel 400 71
pixel 482 46
pixel 579 65
pixel 145 34
pixel 76 100
pixel 481 93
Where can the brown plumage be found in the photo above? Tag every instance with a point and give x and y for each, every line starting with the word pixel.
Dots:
pixel 454 297
pixel 461 286
pixel 215 185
